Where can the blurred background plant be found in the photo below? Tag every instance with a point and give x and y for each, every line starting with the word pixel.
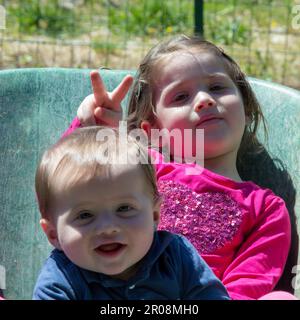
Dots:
pixel 259 34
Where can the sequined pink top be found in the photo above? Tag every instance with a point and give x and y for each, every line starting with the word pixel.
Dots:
pixel 241 230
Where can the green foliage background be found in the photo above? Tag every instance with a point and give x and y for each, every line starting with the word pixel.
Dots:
pixel 252 31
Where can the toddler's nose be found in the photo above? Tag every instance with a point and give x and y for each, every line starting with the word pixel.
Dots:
pixel 204 100
pixel 107 225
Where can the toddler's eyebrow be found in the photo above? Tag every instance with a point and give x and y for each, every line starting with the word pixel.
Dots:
pixel 80 206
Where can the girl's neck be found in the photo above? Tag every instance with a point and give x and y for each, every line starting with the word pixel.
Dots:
pixel 224 165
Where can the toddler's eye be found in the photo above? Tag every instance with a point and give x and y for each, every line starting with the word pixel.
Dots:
pixel 181 97
pixel 124 208
pixel 84 215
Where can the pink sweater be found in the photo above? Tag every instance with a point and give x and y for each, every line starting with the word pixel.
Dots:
pixel 241 230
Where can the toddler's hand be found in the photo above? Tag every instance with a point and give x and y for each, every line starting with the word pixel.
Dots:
pixel 102 107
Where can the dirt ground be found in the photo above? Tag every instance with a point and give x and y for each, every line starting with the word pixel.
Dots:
pixel 277 59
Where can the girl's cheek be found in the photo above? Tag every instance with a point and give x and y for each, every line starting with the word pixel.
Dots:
pixel 227 98
pixel 231 103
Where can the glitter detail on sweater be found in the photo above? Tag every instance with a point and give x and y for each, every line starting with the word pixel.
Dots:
pixel 208 219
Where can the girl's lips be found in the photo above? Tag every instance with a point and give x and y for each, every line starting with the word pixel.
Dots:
pixel 208 121
pixel 110 249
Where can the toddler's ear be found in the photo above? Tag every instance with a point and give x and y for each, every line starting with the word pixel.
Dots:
pixel 51 232
pixel 156 210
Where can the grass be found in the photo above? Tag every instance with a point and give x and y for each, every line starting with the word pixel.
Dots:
pixel 119 32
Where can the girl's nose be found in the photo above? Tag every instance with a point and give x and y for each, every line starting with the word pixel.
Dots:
pixel 204 100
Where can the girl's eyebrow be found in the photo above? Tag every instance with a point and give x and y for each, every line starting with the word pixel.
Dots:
pixel 218 75
pixel 174 84
pixel 210 76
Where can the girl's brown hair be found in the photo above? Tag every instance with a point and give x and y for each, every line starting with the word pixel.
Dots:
pixel 141 106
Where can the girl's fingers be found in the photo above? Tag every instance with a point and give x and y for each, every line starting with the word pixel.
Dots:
pixel 85 112
pixel 88 122
pixel 120 92
pixel 99 89
pixel 110 100
pixel 108 117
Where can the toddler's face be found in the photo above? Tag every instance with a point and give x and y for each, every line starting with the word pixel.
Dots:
pixel 105 225
pixel 193 91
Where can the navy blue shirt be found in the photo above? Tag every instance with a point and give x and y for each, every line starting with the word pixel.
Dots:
pixel 172 269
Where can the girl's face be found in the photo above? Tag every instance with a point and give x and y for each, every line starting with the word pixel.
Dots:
pixel 102 225
pixel 193 91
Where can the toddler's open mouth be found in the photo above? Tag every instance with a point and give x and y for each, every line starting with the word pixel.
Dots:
pixel 110 249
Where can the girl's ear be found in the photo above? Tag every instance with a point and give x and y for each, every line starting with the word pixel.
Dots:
pixel 146 126
pixel 51 232
pixel 156 139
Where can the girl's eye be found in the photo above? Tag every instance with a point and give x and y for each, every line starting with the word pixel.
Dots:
pixel 84 215
pixel 217 87
pixel 181 97
pixel 124 208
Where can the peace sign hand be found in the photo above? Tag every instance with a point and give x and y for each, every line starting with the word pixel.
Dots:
pixel 103 107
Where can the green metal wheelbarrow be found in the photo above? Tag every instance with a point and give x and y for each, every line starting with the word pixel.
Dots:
pixel 36 107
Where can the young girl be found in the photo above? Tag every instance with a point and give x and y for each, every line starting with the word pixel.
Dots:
pixel 104 233
pixel 241 230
